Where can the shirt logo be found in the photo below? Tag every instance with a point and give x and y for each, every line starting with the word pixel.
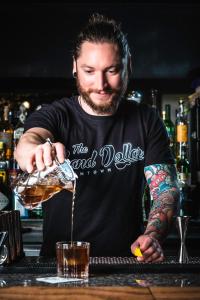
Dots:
pixel 107 155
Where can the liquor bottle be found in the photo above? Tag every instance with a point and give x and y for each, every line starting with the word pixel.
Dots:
pixel 36 213
pixel 184 204
pixel 6 132
pixel 14 169
pixel 169 125
pixel 154 100
pixel 4 197
pixel 182 163
pixel 4 188
pixel 181 129
pixel 19 127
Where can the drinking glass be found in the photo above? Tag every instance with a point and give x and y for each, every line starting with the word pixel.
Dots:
pixel 73 259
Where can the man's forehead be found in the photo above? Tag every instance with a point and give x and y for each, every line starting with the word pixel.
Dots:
pixel 88 46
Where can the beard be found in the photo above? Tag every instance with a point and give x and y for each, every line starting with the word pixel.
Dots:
pixel 110 106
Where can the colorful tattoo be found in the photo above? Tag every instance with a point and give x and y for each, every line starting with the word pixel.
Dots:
pixel 162 181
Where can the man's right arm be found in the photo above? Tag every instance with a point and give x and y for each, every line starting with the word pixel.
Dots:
pixel 34 152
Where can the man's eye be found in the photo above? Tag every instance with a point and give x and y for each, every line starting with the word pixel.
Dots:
pixel 113 71
pixel 88 71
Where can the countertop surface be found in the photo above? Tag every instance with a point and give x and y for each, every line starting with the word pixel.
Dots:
pixel 106 272
pixel 114 279
pixel 100 293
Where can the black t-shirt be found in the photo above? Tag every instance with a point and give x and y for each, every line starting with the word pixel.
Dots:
pixel 108 154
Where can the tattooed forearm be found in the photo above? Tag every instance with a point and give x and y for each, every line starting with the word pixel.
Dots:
pixel 162 182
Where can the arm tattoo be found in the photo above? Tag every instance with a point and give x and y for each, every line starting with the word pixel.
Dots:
pixel 164 191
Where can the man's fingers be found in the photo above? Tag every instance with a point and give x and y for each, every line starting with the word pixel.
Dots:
pixel 44 155
pixel 150 249
pixel 156 257
pixel 60 152
pixel 47 154
pixel 134 247
pixel 39 158
pixel 30 164
pixel 146 244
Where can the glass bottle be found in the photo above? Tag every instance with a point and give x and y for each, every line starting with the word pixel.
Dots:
pixel 4 188
pixel 155 100
pixel 183 165
pixel 6 132
pixel 3 163
pixel 15 169
pixel 182 162
pixel 169 126
pixel 181 129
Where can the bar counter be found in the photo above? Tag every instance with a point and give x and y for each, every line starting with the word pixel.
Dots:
pixel 110 278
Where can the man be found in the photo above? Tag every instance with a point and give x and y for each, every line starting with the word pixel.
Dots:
pixel 112 143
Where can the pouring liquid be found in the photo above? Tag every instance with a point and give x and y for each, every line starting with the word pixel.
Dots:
pixel 72 213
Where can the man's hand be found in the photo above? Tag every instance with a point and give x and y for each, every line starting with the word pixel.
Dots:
pixel 33 152
pixel 150 248
pixel 43 155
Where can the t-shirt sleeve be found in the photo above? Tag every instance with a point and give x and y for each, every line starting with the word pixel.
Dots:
pixel 49 117
pixel 157 144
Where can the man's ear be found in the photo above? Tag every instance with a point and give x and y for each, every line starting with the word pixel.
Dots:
pixel 74 66
pixel 130 66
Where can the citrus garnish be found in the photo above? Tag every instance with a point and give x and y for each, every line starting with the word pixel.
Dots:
pixel 137 252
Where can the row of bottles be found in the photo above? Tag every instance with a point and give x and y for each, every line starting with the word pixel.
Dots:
pixel 178 134
pixel 179 143
pixel 11 129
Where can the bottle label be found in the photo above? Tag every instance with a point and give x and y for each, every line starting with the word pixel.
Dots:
pixel 182 176
pixel 3 165
pixel 3 201
pixel 18 206
pixel 18 133
pixel 3 176
pixel 6 137
pixel 182 133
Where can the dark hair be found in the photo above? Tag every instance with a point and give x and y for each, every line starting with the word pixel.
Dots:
pixel 100 29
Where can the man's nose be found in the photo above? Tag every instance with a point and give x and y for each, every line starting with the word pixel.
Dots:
pixel 101 81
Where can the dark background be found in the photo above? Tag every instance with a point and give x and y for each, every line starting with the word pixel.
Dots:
pixel 36 40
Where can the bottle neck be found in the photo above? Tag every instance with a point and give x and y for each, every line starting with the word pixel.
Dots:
pixel 5 113
pixel 164 115
pixel 168 112
pixel 154 99
pixel 181 109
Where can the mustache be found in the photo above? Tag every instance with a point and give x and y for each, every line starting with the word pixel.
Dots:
pixel 106 90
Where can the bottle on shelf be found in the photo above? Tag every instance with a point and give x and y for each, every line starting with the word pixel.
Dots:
pixel 169 125
pixel 182 162
pixel 14 169
pixel 4 197
pixel 154 100
pixel 36 213
pixel 19 127
pixel 154 95
pixel 6 132
pixel 183 172
pixel 181 129
pixel 4 187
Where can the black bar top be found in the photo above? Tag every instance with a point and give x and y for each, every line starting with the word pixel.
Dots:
pixel 106 271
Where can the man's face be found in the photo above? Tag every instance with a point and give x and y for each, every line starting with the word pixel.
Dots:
pixel 101 77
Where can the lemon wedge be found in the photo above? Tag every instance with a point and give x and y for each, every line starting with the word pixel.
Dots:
pixel 137 252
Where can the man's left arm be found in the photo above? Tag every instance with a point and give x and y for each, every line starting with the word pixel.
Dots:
pixel 162 181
